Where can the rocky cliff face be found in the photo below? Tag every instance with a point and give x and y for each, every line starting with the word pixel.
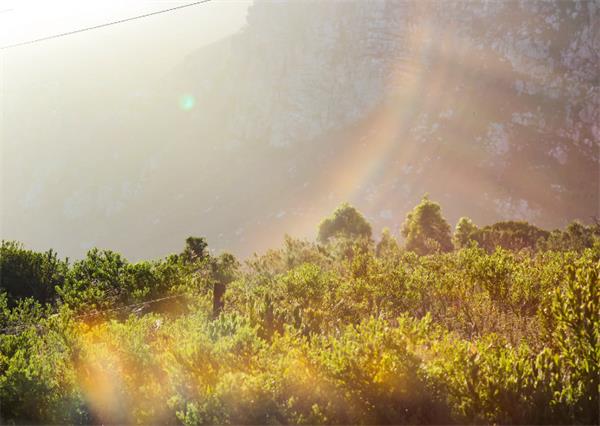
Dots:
pixel 492 107
pixel 301 69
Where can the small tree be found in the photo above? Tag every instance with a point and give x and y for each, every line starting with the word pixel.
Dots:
pixel 347 222
pixel 425 230
pixel 387 246
pixel 575 236
pixel 463 232
pixel 224 270
pixel 510 235
pixel 195 249
pixel 220 270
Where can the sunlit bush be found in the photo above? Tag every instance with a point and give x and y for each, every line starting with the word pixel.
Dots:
pixel 310 334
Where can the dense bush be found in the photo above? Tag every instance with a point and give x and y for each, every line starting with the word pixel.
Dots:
pixel 343 332
pixel 25 273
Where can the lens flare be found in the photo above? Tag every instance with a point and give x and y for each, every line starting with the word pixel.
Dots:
pixel 187 102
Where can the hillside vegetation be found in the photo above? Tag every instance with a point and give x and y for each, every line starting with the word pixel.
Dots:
pixel 498 324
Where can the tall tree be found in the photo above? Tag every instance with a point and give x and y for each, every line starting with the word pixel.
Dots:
pixel 425 230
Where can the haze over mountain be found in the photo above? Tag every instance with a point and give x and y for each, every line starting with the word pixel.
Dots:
pixel 493 108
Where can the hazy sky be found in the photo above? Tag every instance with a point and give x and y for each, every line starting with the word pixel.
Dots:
pixel 150 45
pixel 85 68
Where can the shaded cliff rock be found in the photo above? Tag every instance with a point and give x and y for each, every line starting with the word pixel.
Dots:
pixel 500 98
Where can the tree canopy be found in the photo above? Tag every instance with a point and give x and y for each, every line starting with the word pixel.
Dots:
pixel 510 235
pixel 195 249
pixel 463 232
pixel 425 229
pixel 346 222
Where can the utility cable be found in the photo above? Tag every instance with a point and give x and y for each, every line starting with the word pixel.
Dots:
pixel 120 21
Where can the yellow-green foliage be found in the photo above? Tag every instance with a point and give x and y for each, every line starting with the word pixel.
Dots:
pixel 311 335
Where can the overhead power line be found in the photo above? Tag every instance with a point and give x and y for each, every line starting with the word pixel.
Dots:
pixel 95 27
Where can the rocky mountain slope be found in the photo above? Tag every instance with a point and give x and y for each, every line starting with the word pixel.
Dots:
pixel 493 108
